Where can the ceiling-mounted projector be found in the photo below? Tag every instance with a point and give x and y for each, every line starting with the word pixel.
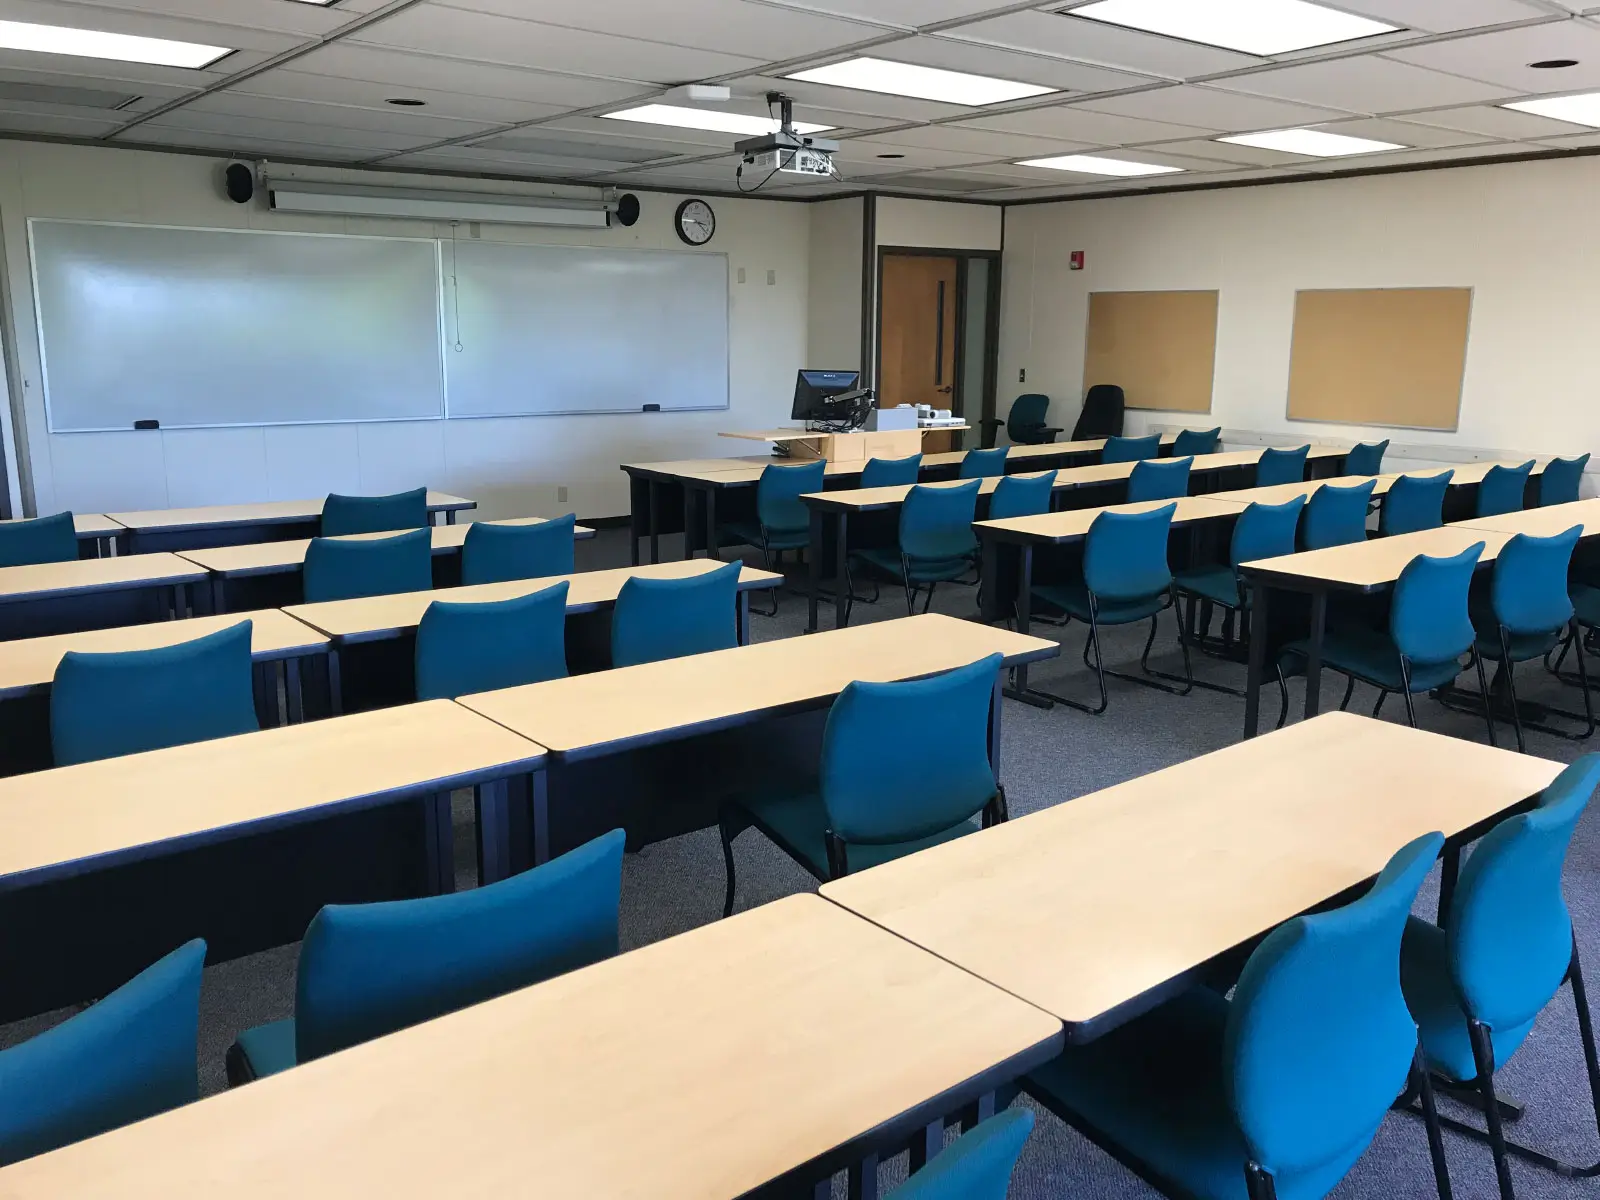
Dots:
pixel 786 150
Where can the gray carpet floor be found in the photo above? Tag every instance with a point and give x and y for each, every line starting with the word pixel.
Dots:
pixel 1050 757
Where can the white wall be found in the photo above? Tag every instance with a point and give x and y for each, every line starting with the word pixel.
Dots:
pixel 1519 234
pixel 511 466
pixel 944 225
pixel 834 324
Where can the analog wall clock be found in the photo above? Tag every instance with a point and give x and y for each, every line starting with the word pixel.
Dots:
pixel 695 222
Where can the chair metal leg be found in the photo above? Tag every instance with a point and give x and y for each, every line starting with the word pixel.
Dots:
pixel 1349 691
pixel 771 562
pixel 928 603
pixel 1483 688
pixel 1259 1185
pixel 1430 1117
pixel 1508 670
pixel 1377 705
pixel 729 832
pixel 911 591
pixel 1411 703
pixel 1483 1060
pixel 1283 694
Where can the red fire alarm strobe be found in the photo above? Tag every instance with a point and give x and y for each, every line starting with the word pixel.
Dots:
pixel 1077 260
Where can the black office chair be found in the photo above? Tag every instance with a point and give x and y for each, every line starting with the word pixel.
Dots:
pixel 1025 424
pixel 1102 413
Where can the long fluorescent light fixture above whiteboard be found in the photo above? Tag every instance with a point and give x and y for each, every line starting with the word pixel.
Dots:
pixel 329 199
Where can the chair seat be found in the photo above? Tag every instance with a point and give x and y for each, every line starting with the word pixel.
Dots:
pixel 1154 1089
pixel 1217 584
pixel 1371 657
pixel 1586 603
pixel 749 533
pixel 1431 997
pixel 798 822
pixel 922 570
pixel 1073 599
pixel 269 1049
pixel 1524 646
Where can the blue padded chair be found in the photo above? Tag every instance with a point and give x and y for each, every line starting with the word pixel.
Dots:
pixel 1562 481
pixel 371 969
pixel 1126 579
pixel 502 553
pixel 349 568
pixel 107 705
pixel 374 514
pixel 1504 489
pixel 983 464
pixel 1278 1091
pixel 783 522
pixel 42 540
pixel 1191 442
pixel 1131 449
pixel 1022 496
pixel 1159 479
pixel 467 648
pixel 1477 985
pixel 1025 424
pixel 1366 459
pixel 936 543
pixel 892 472
pixel 656 619
pixel 1281 466
pixel 1414 503
pixel 881 797
pixel 1529 614
pixel 1337 516
pixel 976 1166
pixel 127 1057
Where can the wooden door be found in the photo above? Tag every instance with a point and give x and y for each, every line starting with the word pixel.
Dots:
pixel 917 334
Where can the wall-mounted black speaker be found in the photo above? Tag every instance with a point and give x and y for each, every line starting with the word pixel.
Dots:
pixel 627 214
pixel 239 181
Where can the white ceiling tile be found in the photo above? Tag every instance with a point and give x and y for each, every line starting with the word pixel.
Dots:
pixel 905 14
pixel 1502 58
pixel 812 97
pixel 1571 142
pixel 89 68
pixel 1227 152
pixel 979 143
pixel 150 93
pixel 288 84
pixel 1076 124
pixel 1403 133
pixel 251 129
pixel 409 121
pixel 1401 158
pixel 992 61
pixel 146 24
pixel 1099 44
pixel 399 67
pixel 161 135
pixel 54 125
pixel 1443 16
pixel 919 157
pixel 308 20
pixel 1211 108
pixel 1494 122
pixel 1366 85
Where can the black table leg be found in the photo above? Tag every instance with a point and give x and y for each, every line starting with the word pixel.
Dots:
pixel 293 692
pixel 743 631
pixel 539 816
pixel 655 523
pixel 841 570
pixel 438 843
pixel 814 557
pixel 995 705
pixel 1258 658
pixel 494 826
pixel 1019 689
pixel 711 522
pixel 335 685
pixel 863 1183
pixel 1319 621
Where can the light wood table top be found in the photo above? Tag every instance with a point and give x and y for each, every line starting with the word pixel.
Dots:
pixel 272 512
pixel 1542 522
pixel 86 525
pixel 886 497
pixel 634 705
pixel 695 1068
pixel 1072 525
pixel 792 434
pixel 747 473
pixel 1377 563
pixel 1465 473
pixel 40 581
pixel 272 558
pixel 52 821
pixel 29 665
pixel 1282 493
pixel 372 617
pixel 1109 897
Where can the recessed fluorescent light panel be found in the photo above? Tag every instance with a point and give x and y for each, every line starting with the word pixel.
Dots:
pixel 1576 110
pixel 90 43
pixel 1090 164
pixel 920 83
pixel 1316 143
pixel 705 118
pixel 1249 26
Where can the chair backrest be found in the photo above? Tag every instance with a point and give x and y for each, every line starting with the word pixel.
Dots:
pixel 892 472
pixel 1265 531
pixel 1529 590
pixel 1190 442
pixel 982 464
pixel 1320 1000
pixel 1022 496
pixel 1125 554
pixel 1159 479
pixel 1414 502
pixel 1428 618
pixel 936 522
pixel 106 705
pixel 347 568
pixel 1131 449
pixel 778 493
pixel 655 619
pixel 1027 414
pixel 127 1057
pixel 42 540
pixel 500 553
pixel 1562 480
pixel 1102 413
pixel 467 648
pixel 1366 458
pixel 901 761
pixel 1508 931
pixel 370 969
pixel 977 1165
pixel 1504 489
pixel 374 514
pixel 1281 466
pixel 1337 516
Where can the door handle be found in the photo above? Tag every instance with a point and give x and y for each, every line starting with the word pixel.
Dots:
pixel 945 391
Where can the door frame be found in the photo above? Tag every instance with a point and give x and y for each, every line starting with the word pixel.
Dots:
pixel 991 336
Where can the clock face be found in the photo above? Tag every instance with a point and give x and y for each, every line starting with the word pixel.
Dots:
pixel 696 222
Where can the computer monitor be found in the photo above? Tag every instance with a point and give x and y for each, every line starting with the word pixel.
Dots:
pixel 814 389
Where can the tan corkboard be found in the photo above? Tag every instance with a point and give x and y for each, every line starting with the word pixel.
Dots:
pixel 1389 356
pixel 1159 347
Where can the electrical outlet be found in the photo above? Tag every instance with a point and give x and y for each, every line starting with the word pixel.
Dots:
pixel 475 229
pixel 1022 375
pixel 772 278
pixel 741 274
pixel 561 495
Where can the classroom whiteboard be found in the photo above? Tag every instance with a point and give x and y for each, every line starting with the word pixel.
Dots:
pixel 561 329
pixel 208 327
